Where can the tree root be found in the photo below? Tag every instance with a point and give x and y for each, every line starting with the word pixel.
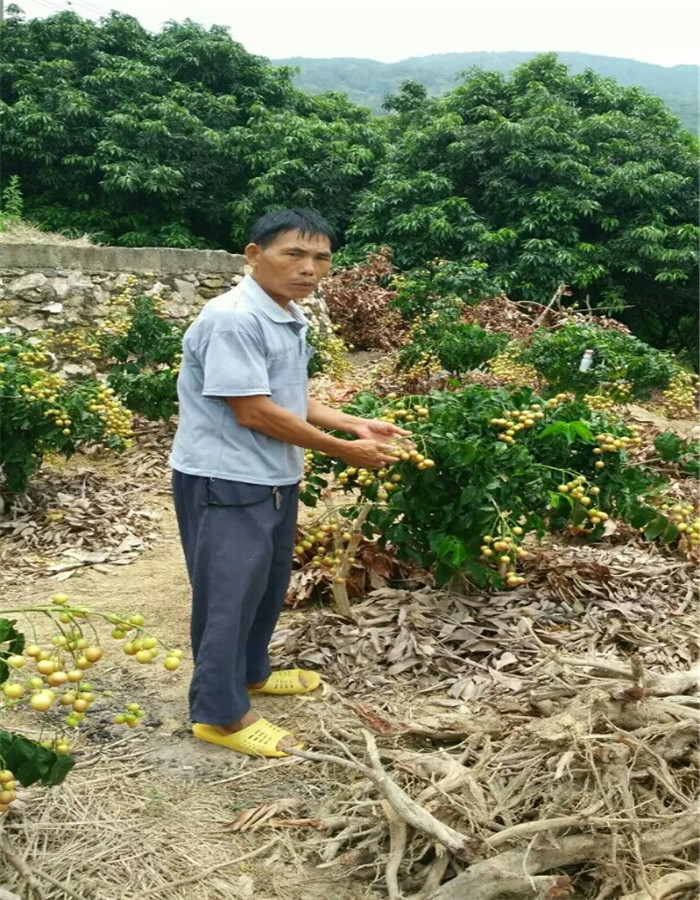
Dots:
pixel 461 845
pixel 509 873
pixel 669 884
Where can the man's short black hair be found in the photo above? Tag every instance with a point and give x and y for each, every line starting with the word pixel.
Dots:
pixel 307 222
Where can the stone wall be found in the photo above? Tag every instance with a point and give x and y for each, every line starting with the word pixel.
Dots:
pixel 59 286
pixel 62 285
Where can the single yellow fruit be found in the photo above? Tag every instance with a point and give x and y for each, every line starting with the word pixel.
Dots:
pixel 41 701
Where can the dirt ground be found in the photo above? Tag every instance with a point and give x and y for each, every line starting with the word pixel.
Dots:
pixel 218 784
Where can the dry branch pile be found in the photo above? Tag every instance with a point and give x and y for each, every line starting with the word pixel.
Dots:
pixel 591 789
pixel 561 753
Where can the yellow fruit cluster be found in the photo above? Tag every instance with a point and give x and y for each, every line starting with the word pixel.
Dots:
pixel 131 716
pixel 333 355
pixel 427 366
pixel 8 789
pixel 609 443
pixel 508 369
pixel 116 417
pixel 686 520
pixel 143 647
pixel 323 546
pixel 608 399
pixel 681 396
pixel 518 420
pixel 45 386
pixel 414 414
pixel 503 553
pixel 113 328
pixel 580 490
pixel 75 344
pixel 55 674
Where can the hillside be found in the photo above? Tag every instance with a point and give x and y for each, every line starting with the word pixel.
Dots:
pixel 367 81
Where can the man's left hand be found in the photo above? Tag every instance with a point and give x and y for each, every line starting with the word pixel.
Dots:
pixel 376 430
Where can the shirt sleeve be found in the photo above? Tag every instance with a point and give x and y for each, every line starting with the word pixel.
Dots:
pixel 233 363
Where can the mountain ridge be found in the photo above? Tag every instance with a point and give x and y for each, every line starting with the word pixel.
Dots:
pixel 367 81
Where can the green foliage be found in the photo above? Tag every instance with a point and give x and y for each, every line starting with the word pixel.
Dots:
pixel 41 412
pixel 618 358
pixel 458 346
pixel 483 486
pixel 548 179
pixel 441 285
pixel 179 138
pixel 671 448
pixel 144 360
pixel 11 642
pixel 12 204
pixel 30 762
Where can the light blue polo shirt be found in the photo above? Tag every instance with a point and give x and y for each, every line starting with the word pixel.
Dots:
pixel 241 344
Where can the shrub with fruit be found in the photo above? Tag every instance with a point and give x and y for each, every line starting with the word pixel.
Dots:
pixel 458 346
pixel 50 678
pixel 41 412
pixel 142 351
pixel 486 475
pixel 620 361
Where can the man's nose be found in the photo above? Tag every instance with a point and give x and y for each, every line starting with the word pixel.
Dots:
pixel 307 265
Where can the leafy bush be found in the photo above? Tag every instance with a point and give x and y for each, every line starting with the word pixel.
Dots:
pixel 671 448
pixel 491 469
pixel 359 303
pixel 42 412
pixel 618 357
pixel 457 345
pixel 144 353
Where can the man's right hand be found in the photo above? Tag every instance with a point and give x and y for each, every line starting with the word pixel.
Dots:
pixel 368 454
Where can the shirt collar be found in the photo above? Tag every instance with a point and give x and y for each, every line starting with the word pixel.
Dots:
pixel 266 304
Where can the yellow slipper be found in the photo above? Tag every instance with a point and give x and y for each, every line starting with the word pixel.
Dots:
pixel 288 681
pixel 259 739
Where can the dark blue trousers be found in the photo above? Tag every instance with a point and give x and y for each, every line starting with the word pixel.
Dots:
pixel 238 541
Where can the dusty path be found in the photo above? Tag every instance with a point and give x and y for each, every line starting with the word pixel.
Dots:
pixel 200 787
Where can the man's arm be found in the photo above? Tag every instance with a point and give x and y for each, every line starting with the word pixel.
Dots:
pixel 261 414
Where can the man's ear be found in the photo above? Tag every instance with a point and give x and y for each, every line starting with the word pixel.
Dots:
pixel 252 253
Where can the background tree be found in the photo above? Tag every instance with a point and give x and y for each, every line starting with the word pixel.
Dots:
pixel 548 178
pixel 176 139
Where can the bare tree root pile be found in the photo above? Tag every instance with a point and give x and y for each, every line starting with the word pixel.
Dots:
pixel 593 792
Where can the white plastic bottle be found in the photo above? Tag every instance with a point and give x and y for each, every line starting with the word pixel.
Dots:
pixel 586 360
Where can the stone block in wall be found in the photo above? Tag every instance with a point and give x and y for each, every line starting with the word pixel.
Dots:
pixel 31 286
pixel 186 290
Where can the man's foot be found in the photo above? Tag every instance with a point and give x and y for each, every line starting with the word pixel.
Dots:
pixel 287 682
pixel 251 735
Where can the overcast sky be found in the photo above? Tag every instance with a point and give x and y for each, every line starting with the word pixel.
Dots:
pixel 666 32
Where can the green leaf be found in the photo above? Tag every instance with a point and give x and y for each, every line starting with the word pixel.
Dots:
pixel 656 527
pixel 668 445
pixel 11 643
pixel 30 762
pixel 570 430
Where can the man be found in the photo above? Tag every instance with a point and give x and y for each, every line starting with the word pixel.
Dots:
pixel 237 459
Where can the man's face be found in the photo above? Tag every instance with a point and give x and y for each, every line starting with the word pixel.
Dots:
pixel 291 266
